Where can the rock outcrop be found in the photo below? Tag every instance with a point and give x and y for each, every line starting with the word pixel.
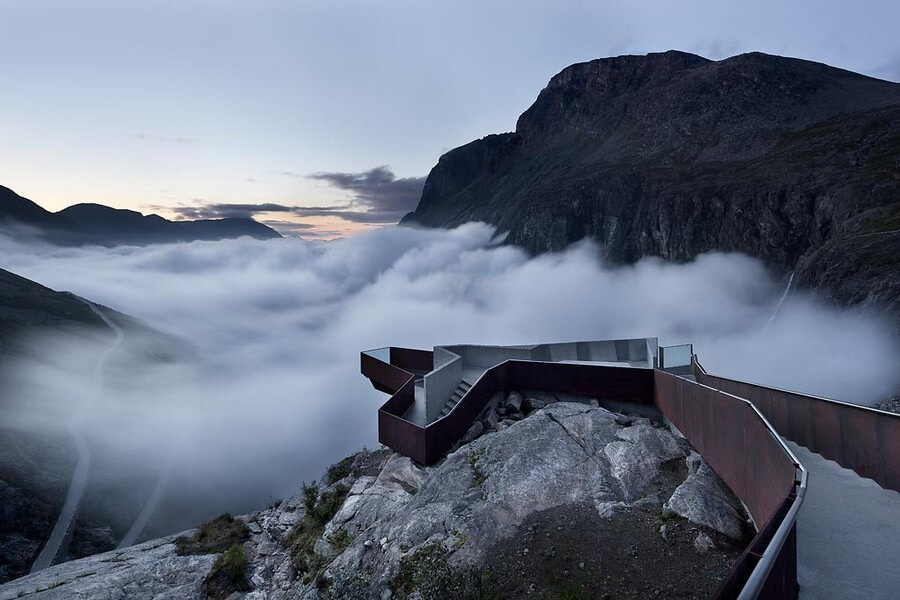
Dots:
pixel 673 155
pixel 375 520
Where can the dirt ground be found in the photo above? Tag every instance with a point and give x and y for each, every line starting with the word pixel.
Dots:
pixel 571 552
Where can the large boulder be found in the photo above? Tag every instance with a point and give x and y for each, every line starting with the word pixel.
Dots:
pixel 704 499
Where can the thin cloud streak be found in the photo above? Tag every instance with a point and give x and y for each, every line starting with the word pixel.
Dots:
pixel 378 197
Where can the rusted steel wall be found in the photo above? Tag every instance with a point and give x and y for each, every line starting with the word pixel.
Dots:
pixel 442 434
pixel 409 358
pixel 733 439
pixel 782 579
pixel 393 430
pixel 858 438
pixel 745 453
pixel 611 383
pixel 381 374
pixel 625 384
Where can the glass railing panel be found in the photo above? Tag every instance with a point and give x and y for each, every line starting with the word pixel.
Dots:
pixel 676 356
pixel 382 354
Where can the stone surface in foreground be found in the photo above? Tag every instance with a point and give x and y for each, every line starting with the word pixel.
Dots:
pixel 559 460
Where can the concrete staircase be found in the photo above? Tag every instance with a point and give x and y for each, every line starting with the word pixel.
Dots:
pixel 455 397
pixel 847 540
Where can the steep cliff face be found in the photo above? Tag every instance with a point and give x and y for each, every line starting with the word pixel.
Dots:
pixel 673 155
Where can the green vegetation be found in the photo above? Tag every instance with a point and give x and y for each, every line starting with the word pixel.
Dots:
pixel 320 508
pixel 340 470
pixel 341 540
pixel 428 574
pixel 479 476
pixel 213 537
pixel 665 516
pixel 349 585
pixel 461 539
pixel 228 574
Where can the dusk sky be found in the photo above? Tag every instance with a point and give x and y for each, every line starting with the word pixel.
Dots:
pixel 331 113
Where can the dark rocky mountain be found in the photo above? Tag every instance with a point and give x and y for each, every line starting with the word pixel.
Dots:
pixel 97 224
pixel 673 155
pixel 36 466
pixel 28 308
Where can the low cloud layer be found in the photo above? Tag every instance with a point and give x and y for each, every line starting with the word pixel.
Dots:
pixel 377 197
pixel 268 391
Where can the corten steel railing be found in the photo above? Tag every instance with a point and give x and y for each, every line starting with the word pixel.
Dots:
pixel 729 432
pixel 856 437
pixel 398 378
pixel 610 383
pixel 428 444
pixel 747 453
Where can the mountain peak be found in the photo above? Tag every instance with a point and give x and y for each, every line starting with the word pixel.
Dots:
pixel 673 155
pixel 685 107
pixel 91 223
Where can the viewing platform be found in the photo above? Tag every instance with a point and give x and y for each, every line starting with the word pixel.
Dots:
pixel 438 395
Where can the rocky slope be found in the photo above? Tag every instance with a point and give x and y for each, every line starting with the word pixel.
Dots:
pixel 36 466
pixel 673 155
pixel 573 499
pixel 97 224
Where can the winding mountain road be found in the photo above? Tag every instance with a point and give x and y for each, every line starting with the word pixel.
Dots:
pixel 150 505
pixel 79 477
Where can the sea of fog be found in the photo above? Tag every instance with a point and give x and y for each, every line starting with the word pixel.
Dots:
pixel 268 390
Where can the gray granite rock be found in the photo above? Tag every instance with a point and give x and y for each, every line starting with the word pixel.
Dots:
pixel 705 500
pixel 480 494
pixel 149 570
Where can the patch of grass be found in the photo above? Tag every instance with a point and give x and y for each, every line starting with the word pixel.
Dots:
pixel 228 574
pixel 461 539
pixel 320 508
pixel 349 585
pixel 338 471
pixel 213 537
pixel 310 496
pixel 427 574
pixel 479 477
pixel 341 540
pixel 666 516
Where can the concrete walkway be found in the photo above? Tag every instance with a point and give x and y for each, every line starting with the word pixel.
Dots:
pixel 848 534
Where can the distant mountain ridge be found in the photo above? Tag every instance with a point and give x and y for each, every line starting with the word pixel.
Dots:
pixel 102 225
pixel 672 155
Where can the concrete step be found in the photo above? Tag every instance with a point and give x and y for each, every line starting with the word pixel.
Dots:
pixel 455 397
pixel 847 540
pixel 846 476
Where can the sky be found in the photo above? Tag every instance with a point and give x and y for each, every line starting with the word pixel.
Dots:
pixel 323 118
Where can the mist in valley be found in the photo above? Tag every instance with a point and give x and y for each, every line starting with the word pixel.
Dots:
pixel 256 386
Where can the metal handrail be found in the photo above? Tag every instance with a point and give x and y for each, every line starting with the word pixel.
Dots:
pixel 813 396
pixel 760 574
pixel 758 577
